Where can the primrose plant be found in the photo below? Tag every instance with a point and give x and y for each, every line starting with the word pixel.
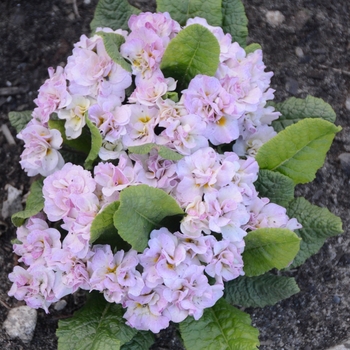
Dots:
pixel 164 180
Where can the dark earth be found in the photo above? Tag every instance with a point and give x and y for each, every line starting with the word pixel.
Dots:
pixel 308 53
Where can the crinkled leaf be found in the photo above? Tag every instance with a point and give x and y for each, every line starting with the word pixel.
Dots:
pixel 19 120
pixel 112 43
pixel 34 204
pixel 251 48
pixel 163 151
pixel 142 209
pixel 259 291
pixel 299 150
pixel 234 21
pixel 96 143
pixel 81 144
pixel 141 341
pixel 113 14
pixel 221 327
pixel 277 187
pixel 295 109
pixel 318 224
pixel 181 11
pixel 98 325
pixel 268 248
pixel 195 50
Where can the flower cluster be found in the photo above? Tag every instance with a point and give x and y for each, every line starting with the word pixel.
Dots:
pixel 180 273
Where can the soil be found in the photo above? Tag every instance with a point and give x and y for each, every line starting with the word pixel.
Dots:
pixel 308 53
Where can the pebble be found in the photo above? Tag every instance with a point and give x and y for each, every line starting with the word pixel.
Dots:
pixel 347 103
pixel 299 52
pixel 13 204
pixel 345 162
pixel 60 305
pixel 344 346
pixel 301 18
pixel 274 18
pixel 20 323
pixel 292 86
pixel 336 299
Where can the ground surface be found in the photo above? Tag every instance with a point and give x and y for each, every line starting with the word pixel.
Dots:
pixel 308 53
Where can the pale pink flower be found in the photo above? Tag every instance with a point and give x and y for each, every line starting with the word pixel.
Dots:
pixel 140 130
pixel 37 241
pixel 207 98
pixel 160 23
pixel 185 133
pixel 52 95
pixel 149 91
pixel 144 49
pixel 145 312
pixel 114 274
pixel 74 115
pixel 227 262
pixel 35 286
pixel 111 179
pixel 251 145
pixel 192 294
pixel 41 145
pixel 62 188
pixel 155 171
pixel 201 173
pixel 163 259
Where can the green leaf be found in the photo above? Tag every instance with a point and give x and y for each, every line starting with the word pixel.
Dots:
pixel 96 143
pixel 98 325
pixel 103 230
pixel 268 248
pixel 318 224
pixel 181 11
pixel 277 187
pixel 171 95
pixel 195 50
pixel 221 327
pixel 163 151
pixel 103 224
pixel 112 42
pixel 251 48
pixel 142 208
pixel 234 21
pixel 81 144
pixel 19 120
pixel 141 341
pixel 299 150
pixel 295 109
pixel 113 14
pixel 259 291
pixel 34 204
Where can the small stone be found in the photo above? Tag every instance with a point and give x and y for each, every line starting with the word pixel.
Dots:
pixel 13 203
pixel 301 18
pixel 299 52
pixel 60 305
pixel 336 299
pixel 347 103
pixel 274 18
pixel 345 162
pixel 20 323
pixel 87 2
pixel 292 86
